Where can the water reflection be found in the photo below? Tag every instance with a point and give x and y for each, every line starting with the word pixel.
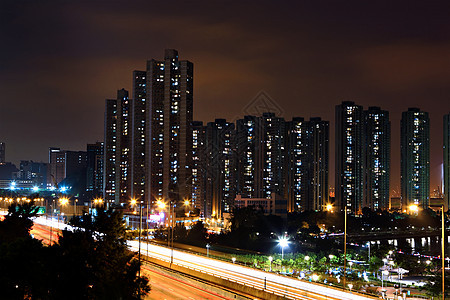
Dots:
pixel 430 245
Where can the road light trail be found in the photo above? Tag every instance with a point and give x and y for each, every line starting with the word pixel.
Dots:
pixel 280 285
pixel 180 289
pixel 273 283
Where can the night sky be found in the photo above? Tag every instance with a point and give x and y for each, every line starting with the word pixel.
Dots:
pixel 61 59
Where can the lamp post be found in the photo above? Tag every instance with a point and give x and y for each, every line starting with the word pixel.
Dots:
pixel 162 205
pixel 383 273
pixel 207 249
pixel 345 244
pixel 233 259
pixel 270 261
pixel 443 251
pixel 307 259
pixel 283 242
pixel 133 202
pixel 62 202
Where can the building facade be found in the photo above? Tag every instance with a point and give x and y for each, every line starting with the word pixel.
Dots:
pixel 350 156
pixel 199 167
pixel 378 140
pixel 94 170
pixel 117 146
pixel 317 152
pixel 220 167
pixel 415 158
pixel 148 139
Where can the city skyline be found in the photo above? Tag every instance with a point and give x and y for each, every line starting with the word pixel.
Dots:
pixel 394 61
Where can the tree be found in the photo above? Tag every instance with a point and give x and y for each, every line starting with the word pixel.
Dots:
pixel 94 260
pixel 433 284
pixel 197 234
pixel 18 222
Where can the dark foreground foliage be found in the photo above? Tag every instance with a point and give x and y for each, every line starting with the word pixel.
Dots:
pixel 92 262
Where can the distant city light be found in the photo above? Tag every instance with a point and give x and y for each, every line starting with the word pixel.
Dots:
pixel 35 189
pixel 63 189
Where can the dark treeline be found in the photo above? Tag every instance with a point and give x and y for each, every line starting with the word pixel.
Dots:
pixel 251 229
pixel 92 262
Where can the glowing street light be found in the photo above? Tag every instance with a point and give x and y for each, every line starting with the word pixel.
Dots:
pixel 329 207
pixel 63 201
pixel 414 208
pixel 233 259
pixel 283 242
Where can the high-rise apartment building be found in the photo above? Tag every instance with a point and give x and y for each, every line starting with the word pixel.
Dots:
pixel 110 152
pixel 169 96
pixel 350 156
pixel 248 148
pixel 261 151
pixel 117 149
pixel 446 161
pixel 317 152
pixel 415 158
pixel 149 138
pixel 220 172
pixel 297 181
pixel 155 130
pixel 308 149
pixel 378 140
pixel 199 170
pixel 138 135
pixel 273 155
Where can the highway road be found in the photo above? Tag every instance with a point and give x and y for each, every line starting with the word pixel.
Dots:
pixel 164 286
pixel 284 286
pixel 288 287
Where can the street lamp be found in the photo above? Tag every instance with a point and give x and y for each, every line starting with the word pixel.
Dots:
pixel 133 202
pixel 443 251
pixel 207 249
pixel 97 201
pixel 383 273
pixel 270 261
pixel 413 208
pixel 307 259
pixel 233 259
pixel 283 242
pixel 62 202
pixel 163 205
pixel 329 207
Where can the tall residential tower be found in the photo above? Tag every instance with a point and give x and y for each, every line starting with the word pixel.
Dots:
pixel 415 158
pixel 378 140
pixel 350 156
